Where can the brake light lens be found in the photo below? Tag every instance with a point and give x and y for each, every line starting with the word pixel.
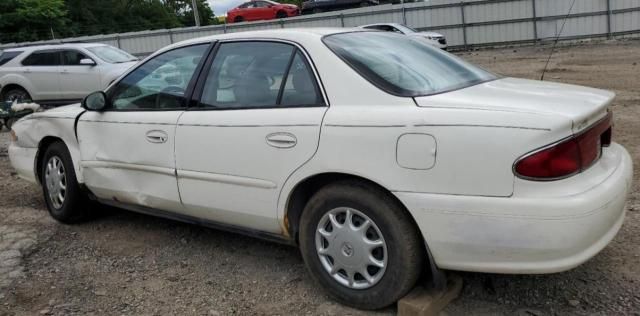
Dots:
pixel 568 157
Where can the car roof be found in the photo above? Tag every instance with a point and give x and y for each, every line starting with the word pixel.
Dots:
pixel 376 24
pixel 292 34
pixel 54 46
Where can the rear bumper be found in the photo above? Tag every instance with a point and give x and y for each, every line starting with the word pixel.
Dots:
pixel 529 232
pixel 23 161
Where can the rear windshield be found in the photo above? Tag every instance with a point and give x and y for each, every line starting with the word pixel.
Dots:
pixel 404 66
pixel 112 55
pixel 6 57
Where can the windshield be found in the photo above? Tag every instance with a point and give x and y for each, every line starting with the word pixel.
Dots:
pixel 407 29
pixel 111 54
pixel 402 65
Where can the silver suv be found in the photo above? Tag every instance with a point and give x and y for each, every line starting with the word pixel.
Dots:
pixel 60 74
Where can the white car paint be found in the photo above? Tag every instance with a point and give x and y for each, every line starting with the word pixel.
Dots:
pixel 435 39
pixel 60 83
pixel 447 158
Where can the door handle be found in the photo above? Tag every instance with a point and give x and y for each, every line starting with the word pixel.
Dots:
pixel 157 137
pixel 281 140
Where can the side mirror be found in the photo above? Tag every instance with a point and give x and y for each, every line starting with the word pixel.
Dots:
pixel 96 101
pixel 87 62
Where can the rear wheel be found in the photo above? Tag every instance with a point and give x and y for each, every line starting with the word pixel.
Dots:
pixel 359 243
pixel 281 15
pixel 62 193
pixel 238 19
pixel 13 94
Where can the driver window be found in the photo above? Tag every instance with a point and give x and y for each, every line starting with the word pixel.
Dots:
pixel 160 83
pixel 72 57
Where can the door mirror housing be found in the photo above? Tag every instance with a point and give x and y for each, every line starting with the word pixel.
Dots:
pixel 96 101
pixel 87 62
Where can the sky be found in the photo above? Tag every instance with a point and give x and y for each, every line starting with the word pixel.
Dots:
pixel 220 7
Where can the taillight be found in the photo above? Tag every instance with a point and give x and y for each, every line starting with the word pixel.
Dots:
pixel 567 157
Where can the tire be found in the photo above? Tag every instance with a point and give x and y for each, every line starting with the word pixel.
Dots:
pixel 9 122
pixel 15 93
pixel 317 10
pixel 364 4
pixel 402 250
pixel 238 19
pixel 281 15
pixel 71 208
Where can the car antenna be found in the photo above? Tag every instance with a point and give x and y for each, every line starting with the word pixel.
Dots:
pixel 556 41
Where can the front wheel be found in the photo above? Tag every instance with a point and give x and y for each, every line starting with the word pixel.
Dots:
pixel 281 15
pixel 62 193
pixel 359 243
pixel 8 122
pixel 16 94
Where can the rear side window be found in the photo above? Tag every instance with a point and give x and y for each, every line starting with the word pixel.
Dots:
pixel 43 58
pixel 8 56
pixel 259 75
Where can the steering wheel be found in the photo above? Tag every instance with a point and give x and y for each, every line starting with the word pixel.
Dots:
pixel 170 97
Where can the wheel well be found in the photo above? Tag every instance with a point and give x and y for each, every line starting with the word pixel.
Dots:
pixel 42 147
pixel 304 190
pixel 12 86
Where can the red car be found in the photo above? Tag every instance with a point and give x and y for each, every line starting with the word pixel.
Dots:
pixel 261 10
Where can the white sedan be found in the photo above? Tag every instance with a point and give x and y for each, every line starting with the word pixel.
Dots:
pixel 436 39
pixel 381 157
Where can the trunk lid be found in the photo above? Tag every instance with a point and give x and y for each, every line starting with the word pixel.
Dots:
pixel 583 105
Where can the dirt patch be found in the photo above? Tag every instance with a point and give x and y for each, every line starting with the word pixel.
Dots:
pixel 125 263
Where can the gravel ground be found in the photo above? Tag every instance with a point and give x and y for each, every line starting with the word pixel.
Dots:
pixel 128 264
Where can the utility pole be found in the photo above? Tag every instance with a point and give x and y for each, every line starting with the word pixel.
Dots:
pixel 196 16
pixel 53 36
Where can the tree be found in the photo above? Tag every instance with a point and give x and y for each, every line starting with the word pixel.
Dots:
pixel 184 11
pixel 30 20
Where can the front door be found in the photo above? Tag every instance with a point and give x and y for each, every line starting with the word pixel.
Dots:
pixel 127 151
pixel 258 120
pixel 78 80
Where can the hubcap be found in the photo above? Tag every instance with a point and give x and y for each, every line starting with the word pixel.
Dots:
pixel 16 95
pixel 351 248
pixel 56 181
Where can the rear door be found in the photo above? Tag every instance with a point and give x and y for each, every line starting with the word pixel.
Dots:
pixel 42 69
pixel 258 119
pixel 127 151
pixel 76 80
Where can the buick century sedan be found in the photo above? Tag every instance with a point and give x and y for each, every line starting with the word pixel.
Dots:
pixel 380 157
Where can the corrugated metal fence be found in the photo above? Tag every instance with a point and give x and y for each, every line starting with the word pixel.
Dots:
pixel 466 24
